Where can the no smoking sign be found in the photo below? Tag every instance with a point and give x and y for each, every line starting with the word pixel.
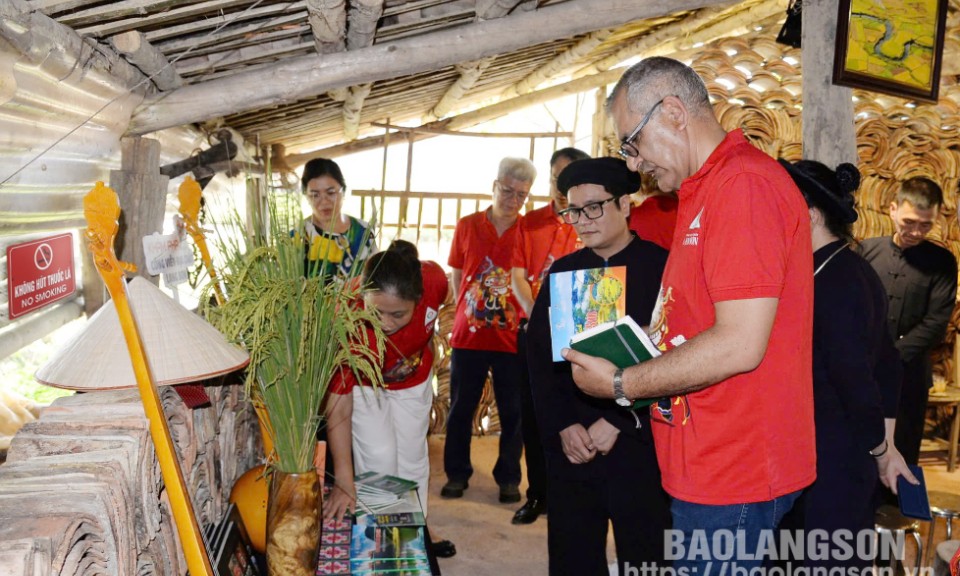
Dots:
pixel 39 273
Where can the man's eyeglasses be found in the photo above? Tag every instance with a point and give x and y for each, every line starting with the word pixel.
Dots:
pixel 329 194
pixel 508 192
pixel 627 149
pixel 592 211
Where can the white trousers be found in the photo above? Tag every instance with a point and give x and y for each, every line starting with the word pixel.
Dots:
pixel 390 433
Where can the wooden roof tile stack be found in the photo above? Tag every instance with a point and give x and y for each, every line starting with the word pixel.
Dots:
pixel 81 492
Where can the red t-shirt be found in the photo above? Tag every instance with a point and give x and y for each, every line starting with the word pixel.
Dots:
pixel 487 311
pixel 408 356
pixel 544 237
pixel 743 232
pixel 655 219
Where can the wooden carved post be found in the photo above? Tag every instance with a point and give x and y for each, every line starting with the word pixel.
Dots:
pixel 101 208
pixel 829 133
pixel 143 192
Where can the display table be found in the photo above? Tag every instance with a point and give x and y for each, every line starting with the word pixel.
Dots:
pixel 949 399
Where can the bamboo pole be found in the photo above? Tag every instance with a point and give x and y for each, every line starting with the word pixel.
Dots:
pixel 470 118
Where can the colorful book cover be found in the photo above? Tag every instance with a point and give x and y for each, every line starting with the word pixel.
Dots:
pixel 377 549
pixel 582 299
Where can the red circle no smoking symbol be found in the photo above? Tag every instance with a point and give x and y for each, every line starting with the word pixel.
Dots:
pixel 43 256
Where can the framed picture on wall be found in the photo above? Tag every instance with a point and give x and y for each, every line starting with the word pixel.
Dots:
pixel 894 46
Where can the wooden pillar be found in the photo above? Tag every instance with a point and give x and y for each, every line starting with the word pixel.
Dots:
pixel 599 122
pixel 829 134
pixel 143 198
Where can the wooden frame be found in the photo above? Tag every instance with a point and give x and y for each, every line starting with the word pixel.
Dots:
pixel 877 47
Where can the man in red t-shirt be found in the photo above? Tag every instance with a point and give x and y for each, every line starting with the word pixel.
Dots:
pixel 544 237
pixel 484 336
pixel 735 436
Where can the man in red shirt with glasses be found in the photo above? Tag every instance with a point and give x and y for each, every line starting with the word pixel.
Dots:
pixel 484 336
pixel 735 436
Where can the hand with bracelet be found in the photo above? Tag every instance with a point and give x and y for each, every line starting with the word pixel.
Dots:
pixel 890 462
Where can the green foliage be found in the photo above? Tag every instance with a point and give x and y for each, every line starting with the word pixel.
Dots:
pixel 18 369
pixel 299 332
pixel 26 386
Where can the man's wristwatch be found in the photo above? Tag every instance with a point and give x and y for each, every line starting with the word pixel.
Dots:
pixel 618 394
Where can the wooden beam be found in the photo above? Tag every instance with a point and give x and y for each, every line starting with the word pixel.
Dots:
pixel 362 17
pixel 705 26
pixel 470 72
pixel 339 94
pixel 829 133
pixel 286 12
pixel 262 36
pixel 561 62
pixel 351 110
pixel 87 22
pixel 466 120
pixel 62 52
pixel 362 27
pixel 54 6
pixel 491 9
pixel 443 132
pixel 147 58
pixel 143 194
pixel 305 76
pixel 412 26
pixel 239 56
pixel 414 6
pixel 328 20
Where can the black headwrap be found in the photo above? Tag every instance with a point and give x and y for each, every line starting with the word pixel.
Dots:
pixel 611 173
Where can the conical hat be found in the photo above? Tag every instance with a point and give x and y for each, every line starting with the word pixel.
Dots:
pixel 180 346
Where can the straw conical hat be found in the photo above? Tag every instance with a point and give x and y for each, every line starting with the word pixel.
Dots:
pixel 180 346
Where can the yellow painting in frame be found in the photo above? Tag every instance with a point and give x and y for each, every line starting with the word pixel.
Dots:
pixel 891 46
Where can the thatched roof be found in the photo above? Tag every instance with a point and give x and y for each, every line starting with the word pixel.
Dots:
pixel 314 73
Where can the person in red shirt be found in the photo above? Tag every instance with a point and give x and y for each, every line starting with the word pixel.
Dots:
pixel 735 435
pixel 655 218
pixel 484 336
pixel 544 237
pixel 387 429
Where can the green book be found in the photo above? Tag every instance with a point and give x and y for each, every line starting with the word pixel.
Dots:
pixel 622 342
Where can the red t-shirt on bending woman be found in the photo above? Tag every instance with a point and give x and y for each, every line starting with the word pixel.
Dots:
pixel 408 357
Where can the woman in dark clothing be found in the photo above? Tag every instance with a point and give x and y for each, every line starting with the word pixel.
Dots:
pixel 601 464
pixel 856 369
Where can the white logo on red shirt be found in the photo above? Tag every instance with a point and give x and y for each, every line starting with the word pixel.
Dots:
pixel 693 238
pixel 429 317
pixel 696 221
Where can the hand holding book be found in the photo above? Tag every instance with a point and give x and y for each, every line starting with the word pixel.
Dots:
pixel 623 342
